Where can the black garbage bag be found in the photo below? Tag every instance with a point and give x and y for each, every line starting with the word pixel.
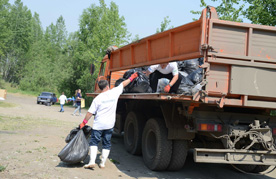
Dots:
pixel 185 86
pixel 185 90
pixel 181 65
pixel 200 61
pixel 128 73
pixel 86 130
pixel 76 150
pixel 118 82
pixel 140 84
pixel 191 65
pixel 196 76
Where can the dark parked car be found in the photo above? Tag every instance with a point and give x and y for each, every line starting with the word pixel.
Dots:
pixel 47 98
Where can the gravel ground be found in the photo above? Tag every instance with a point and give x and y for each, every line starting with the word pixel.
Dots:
pixel 32 135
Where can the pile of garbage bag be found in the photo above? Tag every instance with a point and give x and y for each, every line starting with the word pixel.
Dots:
pixel 191 74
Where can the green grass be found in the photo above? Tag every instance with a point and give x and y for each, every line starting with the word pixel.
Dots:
pixel 13 89
pixel 26 123
pixel 2 168
pixel 4 104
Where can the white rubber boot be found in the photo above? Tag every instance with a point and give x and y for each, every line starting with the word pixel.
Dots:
pixel 105 154
pixel 93 155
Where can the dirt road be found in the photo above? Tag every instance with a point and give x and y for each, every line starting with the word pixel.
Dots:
pixel 32 135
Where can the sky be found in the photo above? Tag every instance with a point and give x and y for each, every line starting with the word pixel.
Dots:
pixel 142 17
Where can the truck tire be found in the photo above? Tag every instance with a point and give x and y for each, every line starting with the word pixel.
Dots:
pixel 133 131
pixel 37 102
pixel 156 147
pixel 246 168
pixel 260 168
pixel 179 154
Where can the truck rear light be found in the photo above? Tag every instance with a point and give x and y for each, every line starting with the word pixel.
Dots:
pixel 210 127
pixel 274 131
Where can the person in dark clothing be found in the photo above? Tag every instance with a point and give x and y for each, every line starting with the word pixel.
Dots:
pixel 78 102
pixel 165 70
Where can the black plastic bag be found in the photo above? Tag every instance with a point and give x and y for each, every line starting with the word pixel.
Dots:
pixel 185 86
pixel 86 130
pixel 128 73
pixel 185 90
pixel 196 76
pixel 181 65
pixel 140 84
pixel 76 150
pixel 191 65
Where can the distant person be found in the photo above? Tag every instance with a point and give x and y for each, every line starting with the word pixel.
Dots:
pixel 103 108
pixel 78 102
pixel 62 100
pixel 165 70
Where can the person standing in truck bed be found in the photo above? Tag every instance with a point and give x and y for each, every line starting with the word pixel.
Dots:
pixel 164 70
pixel 104 108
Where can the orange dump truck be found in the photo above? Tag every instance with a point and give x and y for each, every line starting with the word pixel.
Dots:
pixel 228 121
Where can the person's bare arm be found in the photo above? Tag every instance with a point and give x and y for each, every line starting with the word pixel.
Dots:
pixel 174 79
pixel 88 116
pixel 126 82
pixel 86 119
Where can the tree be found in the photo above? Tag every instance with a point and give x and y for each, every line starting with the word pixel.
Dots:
pixel 136 38
pixel 258 11
pixel 19 22
pixel 100 27
pixel 5 32
pixel 261 12
pixel 164 25
pixel 226 9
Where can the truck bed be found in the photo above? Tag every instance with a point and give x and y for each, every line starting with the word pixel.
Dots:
pixel 239 60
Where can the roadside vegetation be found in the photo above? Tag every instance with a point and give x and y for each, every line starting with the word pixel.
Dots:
pixel 2 168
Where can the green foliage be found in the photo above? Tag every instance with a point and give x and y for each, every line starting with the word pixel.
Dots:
pixel 100 27
pixel 226 9
pixel 261 12
pixel 5 32
pixel 164 25
pixel 258 11
pixel 136 38
pixel 33 59
pixel 2 168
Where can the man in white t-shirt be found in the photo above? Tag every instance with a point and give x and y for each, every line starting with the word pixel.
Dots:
pixel 62 100
pixel 104 108
pixel 165 70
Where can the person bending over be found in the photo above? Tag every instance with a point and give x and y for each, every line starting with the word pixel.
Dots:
pixel 164 70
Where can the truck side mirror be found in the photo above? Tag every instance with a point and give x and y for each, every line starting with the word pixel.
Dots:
pixel 92 69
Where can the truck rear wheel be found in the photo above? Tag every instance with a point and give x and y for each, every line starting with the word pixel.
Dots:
pixel 156 147
pixel 133 131
pixel 179 154
pixel 260 168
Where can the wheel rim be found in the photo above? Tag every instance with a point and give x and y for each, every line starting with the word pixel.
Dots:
pixel 130 136
pixel 151 144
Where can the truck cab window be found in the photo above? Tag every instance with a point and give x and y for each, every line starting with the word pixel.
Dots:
pixel 102 69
